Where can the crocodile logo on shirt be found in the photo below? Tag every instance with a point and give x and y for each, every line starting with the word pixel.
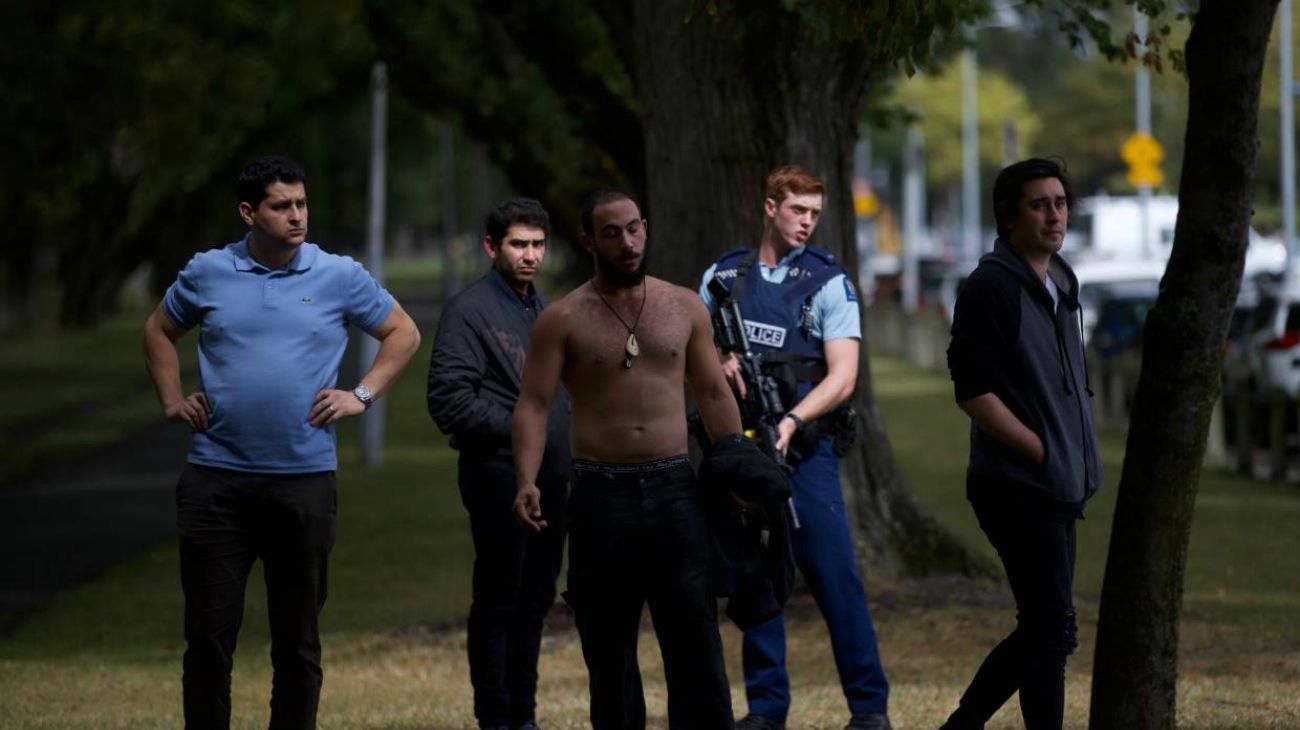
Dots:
pixel 306 300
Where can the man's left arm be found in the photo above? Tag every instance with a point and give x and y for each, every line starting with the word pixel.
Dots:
pixel 399 339
pixel 841 376
pixel 839 325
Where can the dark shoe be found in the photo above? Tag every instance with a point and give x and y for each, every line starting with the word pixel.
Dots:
pixel 759 722
pixel 528 725
pixel 869 721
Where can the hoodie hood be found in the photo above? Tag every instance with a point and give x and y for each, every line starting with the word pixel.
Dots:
pixel 1006 256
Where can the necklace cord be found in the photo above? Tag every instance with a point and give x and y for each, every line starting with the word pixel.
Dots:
pixel 635 323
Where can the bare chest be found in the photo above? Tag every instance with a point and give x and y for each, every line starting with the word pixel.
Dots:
pixel 657 341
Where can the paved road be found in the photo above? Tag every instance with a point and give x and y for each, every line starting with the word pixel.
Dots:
pixel 69 523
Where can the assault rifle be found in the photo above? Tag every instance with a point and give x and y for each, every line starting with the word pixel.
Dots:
pixel 761 408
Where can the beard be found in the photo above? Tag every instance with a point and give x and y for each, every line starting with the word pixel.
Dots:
pixel 618 276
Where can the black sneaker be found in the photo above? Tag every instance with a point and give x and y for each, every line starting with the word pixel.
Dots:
pixel 869 721
pixel 759 722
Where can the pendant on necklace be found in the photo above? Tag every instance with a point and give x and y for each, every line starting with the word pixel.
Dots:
pixel 632 349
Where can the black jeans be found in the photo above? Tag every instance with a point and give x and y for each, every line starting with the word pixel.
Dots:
pixel 514 587
pixel 1035 538
pixel 637 535
pixel 227 520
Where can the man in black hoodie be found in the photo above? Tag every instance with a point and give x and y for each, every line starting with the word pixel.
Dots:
pixel 1017 366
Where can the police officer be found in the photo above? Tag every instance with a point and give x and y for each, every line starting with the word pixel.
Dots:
pixel 801 312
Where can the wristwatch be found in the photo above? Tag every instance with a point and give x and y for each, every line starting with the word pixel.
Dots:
pixel 798 422
pixel 363 394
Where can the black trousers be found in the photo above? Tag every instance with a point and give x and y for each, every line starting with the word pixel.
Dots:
pixel 637 535
pixel 227 520
pixel 514 587
pixel 1035 538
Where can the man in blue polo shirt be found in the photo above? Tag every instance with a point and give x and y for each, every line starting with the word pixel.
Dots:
pixel 273 313
pixel 801 312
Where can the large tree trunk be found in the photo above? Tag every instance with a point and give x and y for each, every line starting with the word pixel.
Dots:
pixel 1137 640
pixel 724 103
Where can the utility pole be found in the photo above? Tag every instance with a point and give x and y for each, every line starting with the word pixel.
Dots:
pixel 1288 138
pixel 970 153
pixel 1143 89
pixel 913 214
pixel 372 421
pixel 447 155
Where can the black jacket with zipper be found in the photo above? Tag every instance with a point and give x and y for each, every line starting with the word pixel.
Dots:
pixel 1008 339
pixel 475 369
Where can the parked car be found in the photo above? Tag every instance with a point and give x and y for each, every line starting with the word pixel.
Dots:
pixel 1114 350
pixel 1270 349
pixel 1096 278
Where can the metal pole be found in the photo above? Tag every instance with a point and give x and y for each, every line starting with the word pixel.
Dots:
pixel 970 154
pixel 372 421
pixel 1143 89
pixel 447 153
pixel 1288 137
pixel 913 215
pixel 861 226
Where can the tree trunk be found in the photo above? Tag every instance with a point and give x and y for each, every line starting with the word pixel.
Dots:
pixel 723 104
pixel 1137 640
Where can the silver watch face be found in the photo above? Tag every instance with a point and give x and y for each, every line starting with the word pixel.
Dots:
pixel 363 394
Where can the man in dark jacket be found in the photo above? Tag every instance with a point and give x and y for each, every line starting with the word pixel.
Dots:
pixel 1018 370
pixel 474 371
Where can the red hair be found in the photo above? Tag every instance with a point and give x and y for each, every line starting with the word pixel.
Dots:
pixel 789 180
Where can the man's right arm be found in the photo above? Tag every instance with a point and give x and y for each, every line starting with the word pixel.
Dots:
pixel 986 321
pixel 455 399
pixel 541 378
pixel 992 416
pixel 160 357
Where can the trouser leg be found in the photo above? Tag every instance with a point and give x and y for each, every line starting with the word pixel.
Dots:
pixel 823 550
pixel 767 685
pixel 605 592
pixel 297 535
pixel 543 555
pixel 1036 543
pixel 487 490
pixel 683 606
pixel 217 551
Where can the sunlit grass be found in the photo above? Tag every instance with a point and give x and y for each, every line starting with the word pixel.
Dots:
pixel 107 655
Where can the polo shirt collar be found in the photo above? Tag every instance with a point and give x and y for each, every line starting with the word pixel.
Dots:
pixel 302 259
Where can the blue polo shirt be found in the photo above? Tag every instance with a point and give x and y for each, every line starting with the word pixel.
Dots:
pixel 834 307
pixel 269 340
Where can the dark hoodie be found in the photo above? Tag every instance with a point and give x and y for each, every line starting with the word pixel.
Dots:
pixel 1007 340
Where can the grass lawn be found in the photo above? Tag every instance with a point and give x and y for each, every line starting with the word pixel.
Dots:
pixel 107 655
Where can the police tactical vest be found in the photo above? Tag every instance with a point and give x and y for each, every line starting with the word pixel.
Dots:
pixel 778 317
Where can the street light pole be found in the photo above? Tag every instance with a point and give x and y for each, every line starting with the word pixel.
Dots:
pixel 913 214
pixel 970 153
pixel 1143 89
pixel 1288 136
pixel 372 421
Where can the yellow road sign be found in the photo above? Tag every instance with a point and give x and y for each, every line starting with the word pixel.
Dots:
pixel 1141 149
pixel 1143 154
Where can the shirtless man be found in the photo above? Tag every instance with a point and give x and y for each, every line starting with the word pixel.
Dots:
pixel 623 344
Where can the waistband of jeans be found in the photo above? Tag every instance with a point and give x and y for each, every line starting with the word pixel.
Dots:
pixel 583 466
